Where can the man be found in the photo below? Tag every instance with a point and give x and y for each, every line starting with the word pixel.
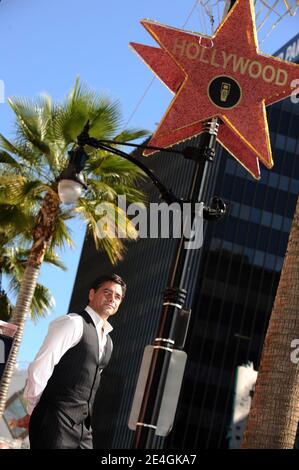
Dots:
pixel 64 377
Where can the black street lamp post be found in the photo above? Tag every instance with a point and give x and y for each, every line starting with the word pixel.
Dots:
pixel 175 295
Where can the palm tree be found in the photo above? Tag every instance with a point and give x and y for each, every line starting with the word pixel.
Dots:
pixel 274 414
pixel 33 161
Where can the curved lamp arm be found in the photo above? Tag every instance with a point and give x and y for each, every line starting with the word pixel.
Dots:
pixel 79 157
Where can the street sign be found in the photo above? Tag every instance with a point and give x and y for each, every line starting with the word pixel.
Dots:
pixel 171 390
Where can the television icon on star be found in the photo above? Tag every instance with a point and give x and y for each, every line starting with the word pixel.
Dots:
pixel 224 92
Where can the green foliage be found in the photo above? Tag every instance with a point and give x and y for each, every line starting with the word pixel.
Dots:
pixel 32 160
pixel 12 264
pixel 6 308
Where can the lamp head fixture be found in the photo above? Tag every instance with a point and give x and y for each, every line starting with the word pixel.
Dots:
pixel 71 181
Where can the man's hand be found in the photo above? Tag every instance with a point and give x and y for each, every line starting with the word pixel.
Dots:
pixel 20 423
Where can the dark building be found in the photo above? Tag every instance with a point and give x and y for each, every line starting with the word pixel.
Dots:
pixel 232 284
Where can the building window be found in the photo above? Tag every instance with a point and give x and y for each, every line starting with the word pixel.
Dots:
pixel 291 144
pixel 259 258
pixel 266 218
pixel 280 141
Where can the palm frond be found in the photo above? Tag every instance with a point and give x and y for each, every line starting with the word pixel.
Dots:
pixel 82 105
pixel 29 124
pixel 7 159
pixel 109 225
pixel 62 233
pixel 111 165
pixel 104 119
pixel 14 221
pixel 67 125
pixel 42 302
pixel 13 260
pixel 100 191
pixel 10 187
pixel 6 307
pixel 128 135
pixel 53 259
pixel 17 189
pixel 70 117
pixel 80 91
pixel 110 188
pixel 133 194
pixel 23 150
pixel 34 128
pixel 13 263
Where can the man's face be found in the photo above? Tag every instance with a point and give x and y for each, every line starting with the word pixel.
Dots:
pixel 106 299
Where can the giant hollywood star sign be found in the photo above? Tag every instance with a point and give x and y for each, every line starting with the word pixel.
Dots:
pixel 221 76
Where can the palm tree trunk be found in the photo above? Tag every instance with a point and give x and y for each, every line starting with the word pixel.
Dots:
pixel 274 414
pixel 42 234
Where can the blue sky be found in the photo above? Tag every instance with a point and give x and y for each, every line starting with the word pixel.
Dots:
pixel 45 44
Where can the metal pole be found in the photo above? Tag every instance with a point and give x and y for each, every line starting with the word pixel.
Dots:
pixel 174 300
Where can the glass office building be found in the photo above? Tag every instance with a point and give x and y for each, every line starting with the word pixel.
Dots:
pixel 232 284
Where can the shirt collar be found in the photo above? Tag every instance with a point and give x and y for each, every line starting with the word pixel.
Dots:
pixel 98 321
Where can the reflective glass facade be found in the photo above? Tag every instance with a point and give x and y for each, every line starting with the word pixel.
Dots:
pixel 239 274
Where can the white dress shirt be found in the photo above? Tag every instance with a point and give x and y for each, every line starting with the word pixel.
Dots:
pixel 63 333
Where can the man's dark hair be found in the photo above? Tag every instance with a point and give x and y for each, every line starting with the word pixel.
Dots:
pixel 109 277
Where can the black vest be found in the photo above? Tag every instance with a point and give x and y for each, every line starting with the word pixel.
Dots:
pixel 76 377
